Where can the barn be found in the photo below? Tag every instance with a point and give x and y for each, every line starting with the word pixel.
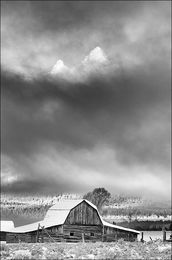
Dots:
pixel 71 221
pixel 5 226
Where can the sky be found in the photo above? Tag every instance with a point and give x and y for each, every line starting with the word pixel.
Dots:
pixel 86 97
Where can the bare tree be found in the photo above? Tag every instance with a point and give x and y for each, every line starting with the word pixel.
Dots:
pixel 98 197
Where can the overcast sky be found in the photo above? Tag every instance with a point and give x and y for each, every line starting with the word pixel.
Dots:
pixel 85 96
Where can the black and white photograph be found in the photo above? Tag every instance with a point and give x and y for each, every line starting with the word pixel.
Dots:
pixel 86 130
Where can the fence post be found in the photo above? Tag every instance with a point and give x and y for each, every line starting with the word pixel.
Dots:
pixel 164 235
pixel 42 233
pixel 83 240
pixel 142 240
pixel 103 232
pixel 37 235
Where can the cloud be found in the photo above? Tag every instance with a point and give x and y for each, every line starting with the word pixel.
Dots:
pixel 128 114
pixel 69 30
pixel 57 168
pixel 97 116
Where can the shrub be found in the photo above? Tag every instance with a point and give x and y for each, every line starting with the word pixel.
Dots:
pixel 4 250
pixel 36 253
pixel 4 247
pixel 53 255
pixel 121 241
pixel 22 254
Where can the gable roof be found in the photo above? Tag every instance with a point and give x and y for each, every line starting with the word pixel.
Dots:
pixel 57 215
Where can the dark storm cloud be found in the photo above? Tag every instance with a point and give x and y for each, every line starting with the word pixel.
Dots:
pixel 36 185
pixel 100 110
pixel 54 16
pixel 113 123
pixel 36 33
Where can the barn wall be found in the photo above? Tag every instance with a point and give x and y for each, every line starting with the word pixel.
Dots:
pixel 76 233
pixel 29 237
pixel 83 214
pixel 55 229
pixel 72 233
pixel 3 236
pixel 34 236
pixel 113 234
pixel 53 234
pixel 80 232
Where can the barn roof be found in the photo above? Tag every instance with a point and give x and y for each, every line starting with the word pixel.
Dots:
pixel 57 215
pixel 5 225
pixel 119 227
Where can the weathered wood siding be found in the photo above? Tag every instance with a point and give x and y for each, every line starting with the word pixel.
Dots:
pixel 56 229
pixel 35 236
pixel 80 232
pixel 113 234
pixel 72 233
pixel 83 214
pixel 53 234
pixel 3 236
pixel 29 237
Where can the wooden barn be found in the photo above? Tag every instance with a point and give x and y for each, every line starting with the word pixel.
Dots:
pixel 5 227
pixel 71 221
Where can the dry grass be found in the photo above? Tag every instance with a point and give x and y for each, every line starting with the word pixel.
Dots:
pixel 116 250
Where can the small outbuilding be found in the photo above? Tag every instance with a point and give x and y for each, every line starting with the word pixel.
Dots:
pixel 71 221
pixel 5 227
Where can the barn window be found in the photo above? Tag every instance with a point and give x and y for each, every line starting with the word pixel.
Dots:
pixel 54 229
pixel 71 234
pixel 92 234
